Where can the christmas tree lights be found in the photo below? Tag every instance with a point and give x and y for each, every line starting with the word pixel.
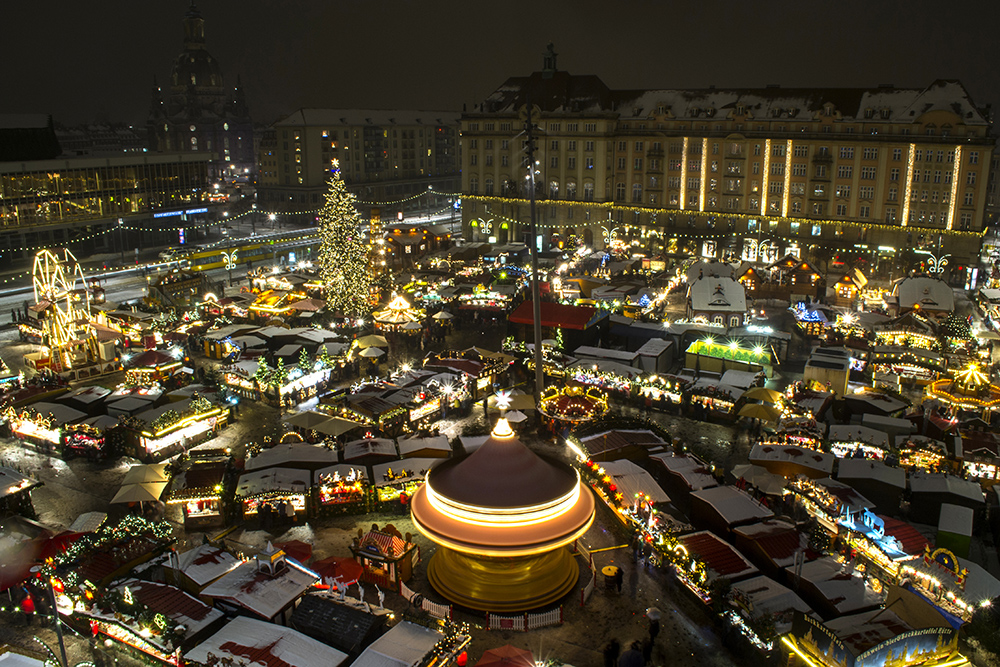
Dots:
pixel 343 254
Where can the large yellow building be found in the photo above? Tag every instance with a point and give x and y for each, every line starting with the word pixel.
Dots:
pixel 752 173
pixel 383 156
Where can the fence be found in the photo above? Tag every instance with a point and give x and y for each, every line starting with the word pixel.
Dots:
pixel 592 584
pixel 525 622
pixel 434 609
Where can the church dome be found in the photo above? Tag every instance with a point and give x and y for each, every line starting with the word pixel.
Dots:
pixel 197 68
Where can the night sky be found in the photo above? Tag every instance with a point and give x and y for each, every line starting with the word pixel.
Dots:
pixel 83 61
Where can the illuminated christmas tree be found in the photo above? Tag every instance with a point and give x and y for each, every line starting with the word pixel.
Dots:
pixel 343 253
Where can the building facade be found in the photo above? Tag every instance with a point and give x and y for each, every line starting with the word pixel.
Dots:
pixel 199 114
pixel 384 157
pixel 743 173
pixel 110 203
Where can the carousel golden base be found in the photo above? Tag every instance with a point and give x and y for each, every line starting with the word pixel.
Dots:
pixel 510 584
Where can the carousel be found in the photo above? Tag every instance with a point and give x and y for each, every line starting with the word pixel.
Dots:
pixel 969 389
pixel 399 315
pixel 503 517
pixel 571 405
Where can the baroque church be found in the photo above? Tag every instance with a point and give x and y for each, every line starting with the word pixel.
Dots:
pixel 197 112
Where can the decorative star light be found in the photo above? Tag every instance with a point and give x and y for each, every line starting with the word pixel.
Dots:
pixel 503 399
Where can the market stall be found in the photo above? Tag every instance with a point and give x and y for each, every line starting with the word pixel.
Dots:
pixel 274 488
pixel 340 487
pixel 394 479
pixel 570 405
pixel 199 489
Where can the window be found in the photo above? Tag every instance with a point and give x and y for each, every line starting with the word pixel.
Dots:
pixel 487 127
pixel 866 192
pixel 756 168
pixel 473 159
pixel 554 190
pixel 821 171
pixel 694 183
pixel 940 156
pixel 715 149
pixel 590 127
pixel 638 146
pixel 897 154
pixel 488 188
pixel 973 157
pixel 674 182
pixel 937 175
pixel 672 198
pixel 970 178
pixel 890 215
pixel 870 154
pixel 843 191
pixel 571 145
pixel 894 174
pixel 588 192
pixel 846 153
pixel 864 211
pixel 966 220
pixel 796 207
pixel 778 150
pixel 951 156
pixel 620 192
pixel 799 169
pixel 775 188
pixel 916 175
pixel 622 146
pixel 571 191
pixel 842 210
pixel 794 227
pixel 503 160
pixel 817 210
pixel 797 188
pixel 817 230
pixel 868 173
pixel 554 162
pixel 473 144
pixel 572 127
pixel 694 165
pixel 756 149
pixel 554 145
pixel 554 127
pixel 637 193
pixel 675 165
pixel 844 171
pixel 654 164
pixel 893 193
pixel 637 164
pixel 588 162
pixel 778 169
pixel 918 155
pixel 489 144
pixel 489 160
pixel 621 163
pixel 968 199
pixel 505 127
pixel 571 162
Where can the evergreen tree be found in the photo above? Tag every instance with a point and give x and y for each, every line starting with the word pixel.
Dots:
pixel 343 253
pixel 263 373
pixel 304 364
pixel 280 375
pixel 323 356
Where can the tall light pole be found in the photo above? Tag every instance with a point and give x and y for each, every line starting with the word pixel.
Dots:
pixel 536 292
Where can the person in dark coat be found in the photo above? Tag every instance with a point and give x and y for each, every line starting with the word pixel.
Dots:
pixel 611 651
pixel 632 657
pixel 654 629
pixel 619 578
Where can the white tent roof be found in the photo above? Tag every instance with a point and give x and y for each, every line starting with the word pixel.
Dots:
pixel 632 479
pixel 243 637
pixel 406 644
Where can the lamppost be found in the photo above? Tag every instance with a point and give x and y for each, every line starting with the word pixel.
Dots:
pixel 55 610
pixel 253 221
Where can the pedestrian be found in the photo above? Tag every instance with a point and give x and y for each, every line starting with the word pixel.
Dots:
pixel 619 578
pixel 290 512
pixel 654 629
pixel 632 657
pixel 611 651
pixel 647 650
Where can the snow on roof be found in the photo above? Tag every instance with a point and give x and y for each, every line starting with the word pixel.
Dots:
pixel 928 293
pixel 369 447
pixel 851 433
pixel 621 356
pixel 845 494
pixel 847 592
pixel 732 504
pixel 174 603
pixel 654 347
pixel 769 597
pixel 273 479
pixel 709 268
pixel 206 563
pixel 438 443
pixel 404 645
pixel 717 294
pixel 259 591
pixel 86 395
pixel 923 482
pixel 62 414
pixel 632 479
pixel 780 540
pixel 608 366
pixel 870 469
pixel 12 481
pixel 292 453
pixel 609 441
pixel 261 644
pixel 809 458
pixel 373 117
pixel 693 471
pixel 741 379
pixel 956 519
pixel 11 659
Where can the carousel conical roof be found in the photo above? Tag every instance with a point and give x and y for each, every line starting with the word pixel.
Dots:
pixel 503 472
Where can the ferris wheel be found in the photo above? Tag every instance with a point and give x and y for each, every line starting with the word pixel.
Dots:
pixel 60 281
